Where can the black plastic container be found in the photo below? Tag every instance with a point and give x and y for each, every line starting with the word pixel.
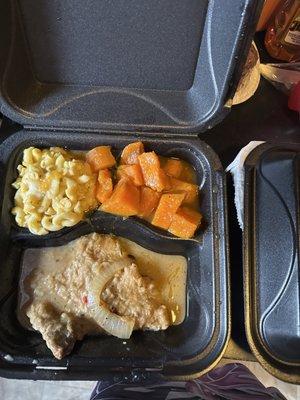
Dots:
pixel 164 65
pixel 182 351
pixel 80 74
pixel 271 257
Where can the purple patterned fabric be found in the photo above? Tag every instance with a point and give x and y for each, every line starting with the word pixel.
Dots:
pixel 233 382
pixel 230 382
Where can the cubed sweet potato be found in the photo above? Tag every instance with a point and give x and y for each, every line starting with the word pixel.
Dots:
pixel 187 173
pixel 191 190
pixel 185 222
pixel 125 199
pixel 149 201
pixel 104 185
pixel 153 174
pixel 100 158
pixel 131 152
pixel 167 207
pixel 132 172
pixel 173 167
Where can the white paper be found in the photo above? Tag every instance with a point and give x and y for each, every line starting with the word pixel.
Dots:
pixel 236 168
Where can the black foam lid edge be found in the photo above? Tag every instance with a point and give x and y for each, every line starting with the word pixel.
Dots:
pixel 263 339
pixel 240 25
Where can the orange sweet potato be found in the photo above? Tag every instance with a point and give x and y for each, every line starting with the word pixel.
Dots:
pixel 132 172
pixel 131 152
pixel 100 158
pixel 173 167
pixel 104 185
pixel 125 199
pixel 187 173
pixel 149 201
pixel 190 190
pixel 153 174
pixel 185 222
pixel 167 207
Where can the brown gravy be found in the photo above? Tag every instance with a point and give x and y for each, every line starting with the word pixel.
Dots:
pixel 168 273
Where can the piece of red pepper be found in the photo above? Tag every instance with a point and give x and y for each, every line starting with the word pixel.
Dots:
pixel 85 299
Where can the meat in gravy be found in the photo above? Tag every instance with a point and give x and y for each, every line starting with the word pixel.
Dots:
pixel 56 300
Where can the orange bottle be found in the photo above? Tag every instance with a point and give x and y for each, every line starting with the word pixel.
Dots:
pixel 266 14
pixel 283 35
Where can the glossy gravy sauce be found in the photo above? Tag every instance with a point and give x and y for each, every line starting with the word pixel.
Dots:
pixel 168 272
pixel 46 260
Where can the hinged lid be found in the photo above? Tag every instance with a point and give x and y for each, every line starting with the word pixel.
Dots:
pixel 121 64
pixel 271 243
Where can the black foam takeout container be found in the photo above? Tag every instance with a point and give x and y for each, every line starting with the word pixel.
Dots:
pixel 181 351
pixel 80 74
pixel 166 65
pixel 271 257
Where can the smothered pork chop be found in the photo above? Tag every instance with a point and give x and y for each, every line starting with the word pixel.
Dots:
pixel 95 287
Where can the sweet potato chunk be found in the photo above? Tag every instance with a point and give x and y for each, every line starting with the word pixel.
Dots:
pixel 190 190
pixel 187 174
pixel 185 222
pixel 149 201
pixel 173 167
pixel 131 152
pixel 100 158
pixel 125 199
pixel 132 172
pixel 167 207
pixel 104 185
pixel 154 176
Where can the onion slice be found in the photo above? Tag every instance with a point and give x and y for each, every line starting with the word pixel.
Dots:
pixel 112 323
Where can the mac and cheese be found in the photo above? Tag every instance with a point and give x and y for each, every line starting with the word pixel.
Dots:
pixel 54 190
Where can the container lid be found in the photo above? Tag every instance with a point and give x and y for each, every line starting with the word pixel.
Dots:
pixel 271 258
pixel 122 64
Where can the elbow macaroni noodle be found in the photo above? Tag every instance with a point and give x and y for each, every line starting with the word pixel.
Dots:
pixel 54 190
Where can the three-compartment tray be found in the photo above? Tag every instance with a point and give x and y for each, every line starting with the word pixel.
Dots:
pixel 271 257
pixel 180 352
